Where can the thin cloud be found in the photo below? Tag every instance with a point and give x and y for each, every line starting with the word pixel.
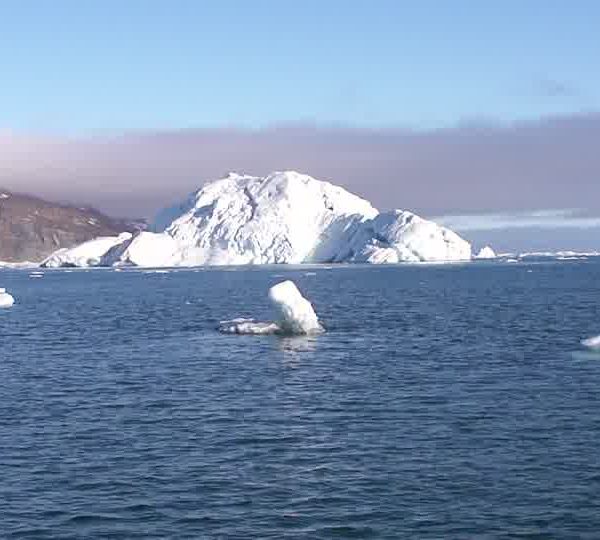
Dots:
pixel 555 89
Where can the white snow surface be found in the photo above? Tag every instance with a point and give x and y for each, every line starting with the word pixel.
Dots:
pixel 89 253
pixel 295 315
pixel 486 253
pixel 145 249
pixel 280 218
pixel 6 299
pixel 285 217
pixel 401 236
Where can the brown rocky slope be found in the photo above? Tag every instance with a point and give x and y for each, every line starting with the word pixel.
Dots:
pixel 31 228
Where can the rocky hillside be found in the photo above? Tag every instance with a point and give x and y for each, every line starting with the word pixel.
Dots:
pixel 31 228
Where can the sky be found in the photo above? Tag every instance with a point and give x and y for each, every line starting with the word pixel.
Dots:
pixel 73 66
pixel 448 108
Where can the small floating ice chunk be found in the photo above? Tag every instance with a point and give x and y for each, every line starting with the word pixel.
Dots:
pixel 591 343
pixel 6 299
pixel 248 326
pixel 297 315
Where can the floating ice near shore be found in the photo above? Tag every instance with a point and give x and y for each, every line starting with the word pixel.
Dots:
pixel 591 343
pixel 296 315
pixel 6 299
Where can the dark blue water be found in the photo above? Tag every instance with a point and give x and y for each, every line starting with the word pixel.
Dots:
pixel 443 402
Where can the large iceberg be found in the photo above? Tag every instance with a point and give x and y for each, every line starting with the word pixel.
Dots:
pixel 281 218
pixel 285 217
pixel 144 249
pixel 295 315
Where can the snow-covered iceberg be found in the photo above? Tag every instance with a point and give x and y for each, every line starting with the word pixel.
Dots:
pixel 486 253
pixel 592 342
pixel 6 299
pixel 144 249
pixel 401 236
pixel 285 217
pixel 281 218
pixel 295 315
pixel 89 253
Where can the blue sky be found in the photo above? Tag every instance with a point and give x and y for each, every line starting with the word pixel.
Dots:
pixel 70 66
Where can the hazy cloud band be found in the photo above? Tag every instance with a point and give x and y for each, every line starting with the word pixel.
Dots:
pixel 552 163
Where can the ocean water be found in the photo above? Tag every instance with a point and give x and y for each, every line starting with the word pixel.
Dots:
pixel 443 402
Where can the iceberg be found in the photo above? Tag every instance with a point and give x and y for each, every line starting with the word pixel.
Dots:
pixel 283 218
pixel 401 236
pixel 6 299
pixel 145 249
pixel 280 218
pixel 592 342
pixel 89 253
pixel 295 315
pixel 486 253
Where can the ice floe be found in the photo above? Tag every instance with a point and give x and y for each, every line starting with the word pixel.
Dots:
pixel 6 299
pixel 591 343
pixel 295 315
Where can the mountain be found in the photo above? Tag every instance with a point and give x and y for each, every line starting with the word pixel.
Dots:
pixel 31 228
pixel 285 217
